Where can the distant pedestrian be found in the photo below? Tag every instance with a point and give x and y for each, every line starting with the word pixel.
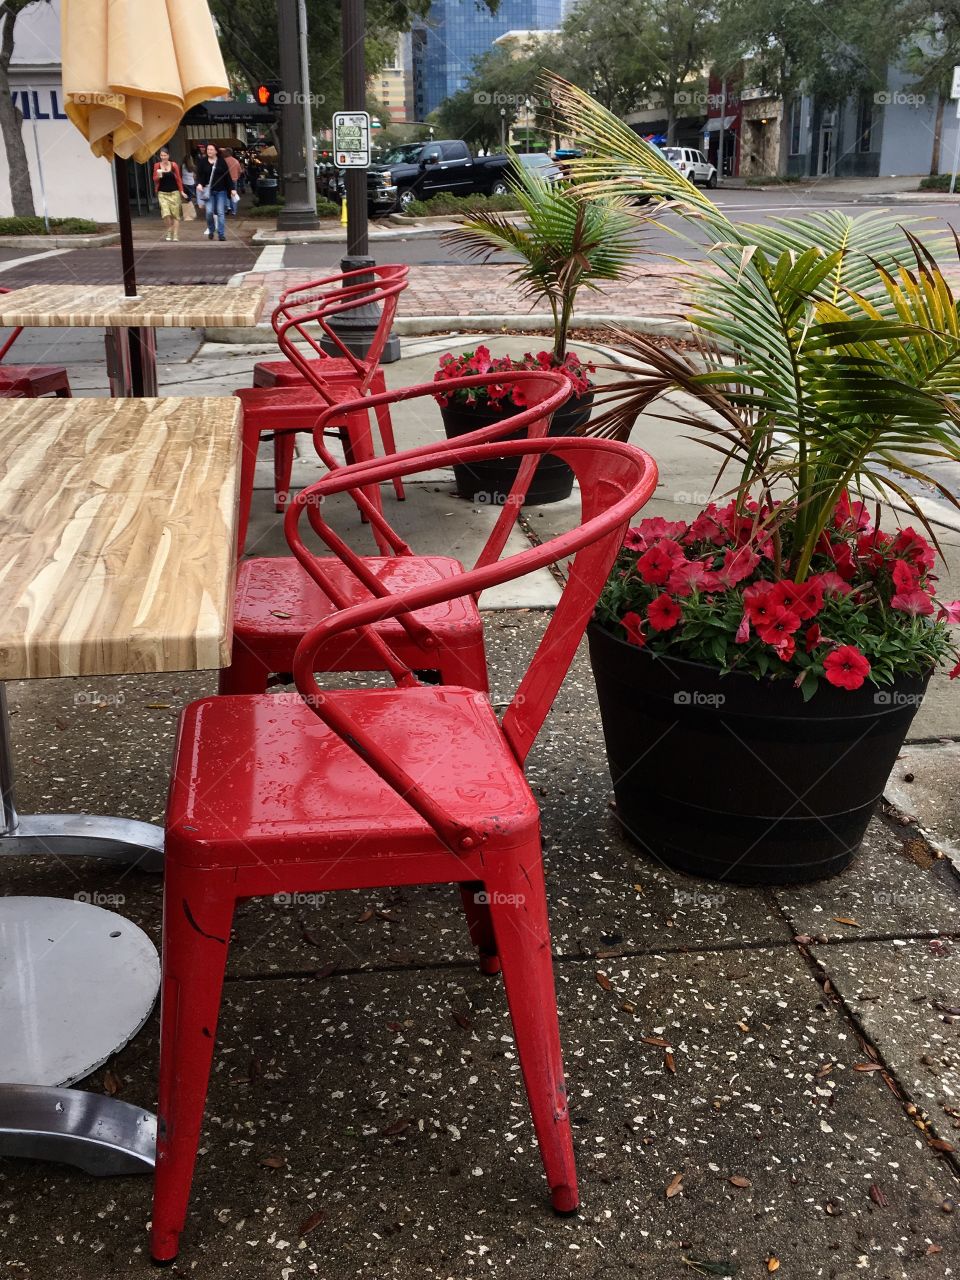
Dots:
pixel 236 177
pixel 188 175
pixel 216 187
pixel 168 187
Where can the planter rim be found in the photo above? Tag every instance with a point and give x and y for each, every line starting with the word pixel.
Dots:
pixel 763 682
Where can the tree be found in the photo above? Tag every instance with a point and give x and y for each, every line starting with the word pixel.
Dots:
pixel 930 51
pixel 11 118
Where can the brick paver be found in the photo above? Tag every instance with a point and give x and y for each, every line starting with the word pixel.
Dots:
pixel 468 291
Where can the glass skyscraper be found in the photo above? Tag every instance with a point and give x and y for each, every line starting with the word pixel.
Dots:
pixel 457 32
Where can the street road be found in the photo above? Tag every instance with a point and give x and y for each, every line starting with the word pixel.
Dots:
pixel 196 260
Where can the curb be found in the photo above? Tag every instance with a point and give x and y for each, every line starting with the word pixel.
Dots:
pixel 338 236
pixel 417 326
pixel 60 242
pixel 912 197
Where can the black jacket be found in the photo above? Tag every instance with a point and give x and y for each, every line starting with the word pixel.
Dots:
pixel 221 180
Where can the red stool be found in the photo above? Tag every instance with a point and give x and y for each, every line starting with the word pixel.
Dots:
pixel 337 792
pixel 30 380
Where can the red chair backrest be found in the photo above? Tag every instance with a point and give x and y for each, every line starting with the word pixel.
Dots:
pixel 353 287
pixel 342 300
pixel 13 336
pixel 544 391
pixel 615 481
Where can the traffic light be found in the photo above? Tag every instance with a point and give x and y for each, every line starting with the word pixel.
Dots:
pixel 267 92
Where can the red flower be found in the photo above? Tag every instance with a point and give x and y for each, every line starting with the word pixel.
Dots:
pixel 656 564
pixel 916 602
pixel 846 667
pixel 655 527
pixel 785 649
pixel 758 600
pixel 632 624
pixel 842 558
pixel 743 631
pixel 905 576
pixel 955 673
pixel 780 624
pixel 831 582
pixel 802 598
pixel 949 612
pixel 850 515
pixel 707 528
pixel 912 547
pixel 872 547
pixel 812 637
pixel 663 613
pixel 634 540
pixel 691 575
pixel 737 565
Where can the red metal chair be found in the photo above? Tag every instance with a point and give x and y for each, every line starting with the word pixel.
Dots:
pixel 361 788
pixel 279 598
pixel 287 409
pixel 30 380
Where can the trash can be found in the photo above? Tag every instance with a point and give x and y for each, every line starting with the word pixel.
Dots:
pixel 267 191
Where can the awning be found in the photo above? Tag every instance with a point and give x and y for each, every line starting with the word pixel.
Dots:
pixel 713 124
pixel 219 112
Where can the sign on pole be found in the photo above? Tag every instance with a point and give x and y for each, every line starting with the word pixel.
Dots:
pixel 955 87
pixel 351 139
pixel 955 93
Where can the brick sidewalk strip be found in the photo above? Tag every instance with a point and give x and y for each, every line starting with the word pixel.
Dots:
pixel 459 290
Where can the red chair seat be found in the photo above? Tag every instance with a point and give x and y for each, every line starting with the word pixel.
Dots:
pixel 33 379
pixel 289 408
pixel 277 373
pixel 261 781
pixel 277 602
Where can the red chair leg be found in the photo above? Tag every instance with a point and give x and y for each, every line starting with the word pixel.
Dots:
pixel 197 914
pixel 477 911
pixel 283 453
pixel 245 674
pixel 466 666
pixel 518 906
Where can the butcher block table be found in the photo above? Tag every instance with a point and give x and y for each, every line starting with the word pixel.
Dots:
pixel 118 535
pixel 131 323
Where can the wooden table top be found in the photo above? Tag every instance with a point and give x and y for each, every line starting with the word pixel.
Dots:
pixel 118 527
pixel 157 306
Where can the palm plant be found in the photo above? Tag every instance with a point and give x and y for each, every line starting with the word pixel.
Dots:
pixel 564 243
pixel 829 348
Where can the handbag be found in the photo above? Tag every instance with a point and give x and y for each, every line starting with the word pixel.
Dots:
pixel 188 210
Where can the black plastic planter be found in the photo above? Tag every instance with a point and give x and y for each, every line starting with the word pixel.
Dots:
pixel 736 779
pixel 489 482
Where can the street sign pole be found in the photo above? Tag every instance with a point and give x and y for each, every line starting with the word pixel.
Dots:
pixel 351 127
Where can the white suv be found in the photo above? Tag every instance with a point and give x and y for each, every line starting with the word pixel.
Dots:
pixel 692 164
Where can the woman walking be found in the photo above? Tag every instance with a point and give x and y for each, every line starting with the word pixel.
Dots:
pixel 168 186
pixel 188 175
pixel 215 184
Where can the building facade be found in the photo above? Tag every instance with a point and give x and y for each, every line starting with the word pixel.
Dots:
pixel 457 32
pixel 65 176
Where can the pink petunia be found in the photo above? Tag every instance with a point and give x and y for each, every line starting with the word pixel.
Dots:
pixel 737 565
pixel 917 603
pixel 950 612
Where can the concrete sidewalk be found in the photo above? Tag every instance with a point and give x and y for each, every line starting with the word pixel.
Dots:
pixel 366 1116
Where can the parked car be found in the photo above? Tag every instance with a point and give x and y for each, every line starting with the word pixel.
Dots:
pixel 541 164
pixel 419 170
pixel 692 164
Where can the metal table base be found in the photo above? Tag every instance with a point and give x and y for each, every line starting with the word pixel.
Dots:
pixel 98 1134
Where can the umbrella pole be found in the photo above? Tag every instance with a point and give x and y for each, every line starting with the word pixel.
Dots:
pixel 133 337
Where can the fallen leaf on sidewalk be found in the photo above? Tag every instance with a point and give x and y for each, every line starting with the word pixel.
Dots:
pixel 604 981
pixel 877 1196
pixel 704 1268
pixel 737 1180
pixel 773 1264
pixel 847 920
pixel 273 1162
pixel 675 1186
pixel 868 1066
pixel 940 1144
pixel 669 1063
pixel 657 1041
pixel 398 1126
pixel 311 1223
pixel 112 1083
pixel 366 916
pixel 934 1248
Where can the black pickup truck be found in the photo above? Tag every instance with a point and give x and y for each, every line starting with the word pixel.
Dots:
pixel 419 170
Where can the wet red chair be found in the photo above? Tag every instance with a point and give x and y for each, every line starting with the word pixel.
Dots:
pixel 360 788
pixel 278 599
pixel 30 380
pixel 287 408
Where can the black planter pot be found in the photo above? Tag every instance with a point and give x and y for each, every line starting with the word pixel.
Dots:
pixel 489 482
pixel 736 779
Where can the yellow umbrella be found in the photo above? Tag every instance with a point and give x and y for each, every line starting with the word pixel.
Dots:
pixel 131 71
